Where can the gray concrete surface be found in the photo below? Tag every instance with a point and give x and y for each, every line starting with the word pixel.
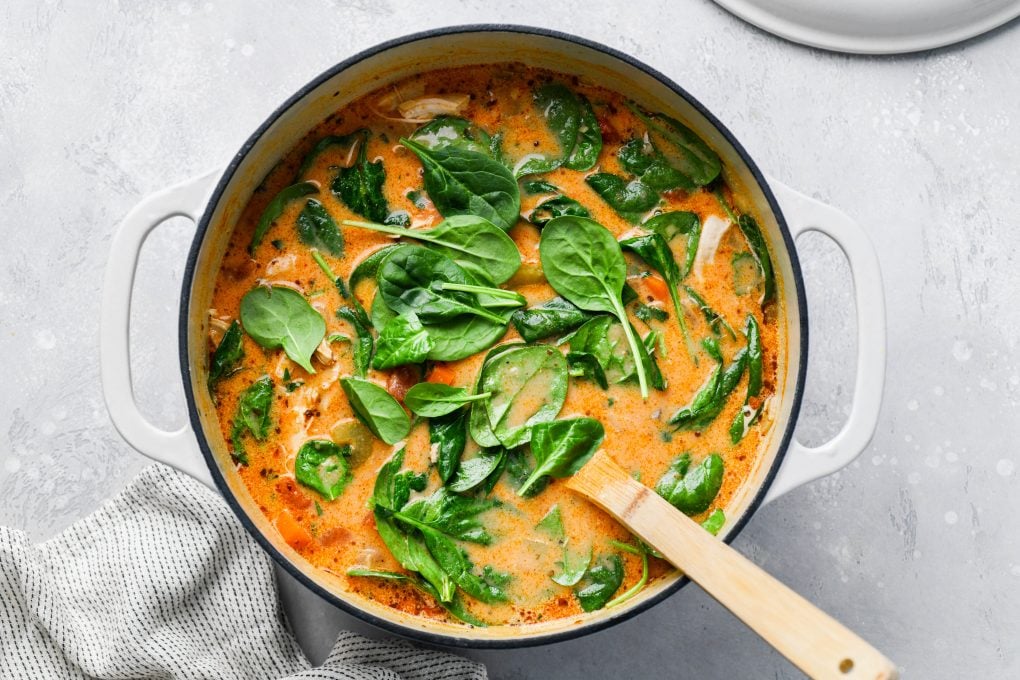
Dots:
pixel 915 545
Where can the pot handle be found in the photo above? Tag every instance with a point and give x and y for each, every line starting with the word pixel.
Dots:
pixel 802 463
pixel 178 449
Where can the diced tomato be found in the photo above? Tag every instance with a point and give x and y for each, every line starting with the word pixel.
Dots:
pixel 657 288
pixel 442 373
pixel 289 492
pixel 296 535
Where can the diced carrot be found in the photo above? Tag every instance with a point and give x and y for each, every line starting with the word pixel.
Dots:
pixel 296 535
pixel 657 288
pixel 442 373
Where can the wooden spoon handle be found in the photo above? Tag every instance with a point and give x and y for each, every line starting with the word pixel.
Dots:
pixel 811 639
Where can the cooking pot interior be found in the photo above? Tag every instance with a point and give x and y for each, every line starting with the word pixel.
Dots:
pixel 351 80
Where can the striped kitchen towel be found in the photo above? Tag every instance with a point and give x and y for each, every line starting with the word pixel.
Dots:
pixel 163 582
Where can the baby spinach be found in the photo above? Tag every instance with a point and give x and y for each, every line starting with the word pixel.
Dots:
pixel 654 250
pixel 551 524
pixel 586 365
pixel 555 317
pixel 572 122
pixel 446 131
pixel 600 583
pixel 367 269
pixel 602 338
pixel 572 567
pixel 670 225
pixel 450 514
pixel 641 551
pixel 711 398
pixel 555 205
pixel 316 228
pixel 252 415
pixel 276 208
pixel 337 281
pixel 346 142
pixel 432 400
pixel 363 343
pixel 748 414
pixel 756 241
pixel 472 242
pixel 641 158
pixel 682 149
pixel 227 355
pixel 281 317
pixel 691 490
pixel 377 408
pixel 465 182
pixel 746 275
pixel 528 385
pixel 475 471
pixel 403 340
pixel 583 263
pixel 413 279
pixel 463 336
pixel 713 524
pixel 630 199
pixel 455 607
pixel 714 320
pixel 649 313
pixel 360 186
pixel 448 434
pixel 324 466
pixel 562 447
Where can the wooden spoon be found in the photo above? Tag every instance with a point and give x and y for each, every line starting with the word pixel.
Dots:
pixel 811 639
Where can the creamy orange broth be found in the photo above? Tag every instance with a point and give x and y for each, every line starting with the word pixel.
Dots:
pixel 344 534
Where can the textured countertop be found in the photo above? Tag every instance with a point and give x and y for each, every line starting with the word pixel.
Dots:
pixel 915 545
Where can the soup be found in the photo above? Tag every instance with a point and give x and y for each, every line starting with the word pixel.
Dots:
pixel 448 296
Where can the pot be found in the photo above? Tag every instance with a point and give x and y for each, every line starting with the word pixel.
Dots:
pixel 215 200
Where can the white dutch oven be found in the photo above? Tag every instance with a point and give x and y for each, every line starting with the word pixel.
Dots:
pixel 214 201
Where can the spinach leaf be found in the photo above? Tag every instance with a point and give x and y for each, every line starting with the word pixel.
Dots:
pixel 322 465
pixel 463 182
pixel 473 472
pixel 455 563
pixel 360 186
pixel 448 434
pixel 746 275
pixel 463 336
pixel 455 607
pixel 316 228
pixel 714 320
pixel 583 263
pixel 682 149
pixel 551 524
pixel 711 398
pixel 519 469
pixel 555 317
pixel 562 447
pixel 364 343
pixel 586 365
pixel 403 340
pixel 571 120
pixel 603 339
pixel 377 408
pixel 418 280
pixel 253 415
pixel 281 317
pixel 642 158
pixel 337 281
pixel 749 412
pixel 630 199
pixel 276 208
pixel 599 583
pixel 432 400
pixel 674 223
pixel 447 131
pixel 641 551
pixel 368 268
pixel 447 513
pixel 392 487
pixel 654 250
pixel 472 242
pixel 713 524
pixel 227 355
pixel 528 385
pixel 756 241
pixel 649 313
pixel 572 567
pixel 691 490
pixel 410 551
pixel 346 142
pixel 556 206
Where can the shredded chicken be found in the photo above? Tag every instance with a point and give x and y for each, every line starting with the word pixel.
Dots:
pixel 424 109
pixel 280 264
pixel 408 90
pixel 324 353
pixel 366 559
pixel 218 326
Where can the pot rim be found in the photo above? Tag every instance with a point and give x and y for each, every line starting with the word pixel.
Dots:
pixel 220 480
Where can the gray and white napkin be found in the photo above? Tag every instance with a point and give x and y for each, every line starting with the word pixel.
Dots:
pixel 163 582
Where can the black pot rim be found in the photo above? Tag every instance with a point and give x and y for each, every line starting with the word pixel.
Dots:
pixel 217 475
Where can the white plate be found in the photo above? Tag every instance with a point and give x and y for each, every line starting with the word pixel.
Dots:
pixel 875 26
